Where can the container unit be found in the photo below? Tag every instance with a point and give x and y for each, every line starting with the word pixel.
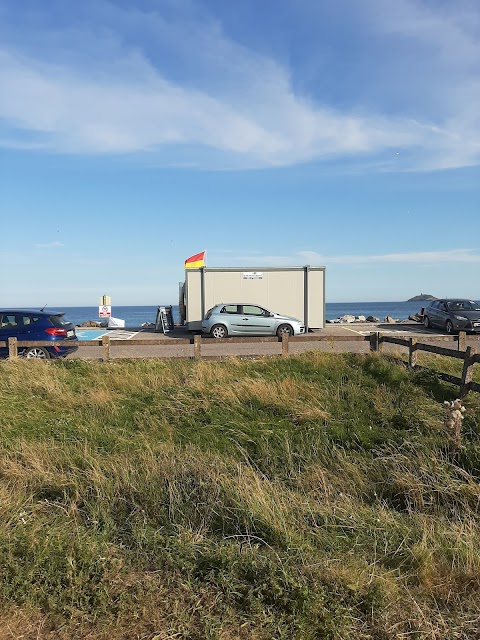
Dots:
pixel 293 291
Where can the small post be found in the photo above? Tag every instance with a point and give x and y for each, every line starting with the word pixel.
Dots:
pixel 197 347
pixel 462 340
pixel 454 411
pixel 105 348
pixel 12 348
pixel 412 353
pixel 467 373
pixel 374 341
pixel 380 343
pixel 285 341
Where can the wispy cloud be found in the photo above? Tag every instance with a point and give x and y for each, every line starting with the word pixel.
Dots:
pixel 430 258
pixel 421 257
pixel 67 113
pixel 49 245
pixel 123 98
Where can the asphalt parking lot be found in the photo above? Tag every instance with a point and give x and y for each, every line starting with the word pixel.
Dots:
pixel 178 343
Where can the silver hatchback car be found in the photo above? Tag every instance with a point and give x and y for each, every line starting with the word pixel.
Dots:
pixel 248 320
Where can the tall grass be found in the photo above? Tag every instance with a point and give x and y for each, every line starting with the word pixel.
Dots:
pixel 313 497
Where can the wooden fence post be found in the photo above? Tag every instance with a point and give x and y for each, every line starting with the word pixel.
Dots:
pixel 467 373
pixel 380 343
pixel 12 348
pixel 462 340
pixel 285 342
pixel 197 347
pixel 412 353
pixel 374 341
pixel 105 348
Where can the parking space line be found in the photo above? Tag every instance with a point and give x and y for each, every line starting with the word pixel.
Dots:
pixel 121 334
pixel 403 331
pixel 117 334
pixel 372 330
pixel 361 333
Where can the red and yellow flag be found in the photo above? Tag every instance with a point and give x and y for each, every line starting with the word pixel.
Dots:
pixel 196 261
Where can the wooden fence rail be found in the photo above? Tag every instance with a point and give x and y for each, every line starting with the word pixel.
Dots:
pixel 377 340
pixel 468 355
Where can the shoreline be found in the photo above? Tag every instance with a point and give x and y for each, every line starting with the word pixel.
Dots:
pixel 136 316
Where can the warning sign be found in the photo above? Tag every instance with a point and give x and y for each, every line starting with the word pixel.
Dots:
pixel 104 311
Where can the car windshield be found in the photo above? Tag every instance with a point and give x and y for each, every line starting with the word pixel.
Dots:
pixel 464 305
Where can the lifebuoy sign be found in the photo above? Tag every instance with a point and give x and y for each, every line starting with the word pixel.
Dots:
pixel 104 311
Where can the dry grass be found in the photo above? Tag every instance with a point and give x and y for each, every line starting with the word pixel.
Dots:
pixel 307 498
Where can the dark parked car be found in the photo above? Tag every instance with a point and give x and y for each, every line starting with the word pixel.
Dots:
pixel 453 315
pixel 29 324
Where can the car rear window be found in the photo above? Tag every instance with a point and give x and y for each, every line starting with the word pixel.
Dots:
pixel 59 321
pixel 8 320
pixel 252 310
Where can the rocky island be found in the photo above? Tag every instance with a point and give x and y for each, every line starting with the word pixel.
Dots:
pixel 423 297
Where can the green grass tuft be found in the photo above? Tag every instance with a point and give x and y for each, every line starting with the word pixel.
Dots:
pixel 302 498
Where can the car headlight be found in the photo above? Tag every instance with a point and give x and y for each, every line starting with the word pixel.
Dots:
pixel 460 318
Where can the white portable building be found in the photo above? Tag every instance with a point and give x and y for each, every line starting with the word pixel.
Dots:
pixel 293 291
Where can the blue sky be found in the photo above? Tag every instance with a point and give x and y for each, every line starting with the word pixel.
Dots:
pixel 134 134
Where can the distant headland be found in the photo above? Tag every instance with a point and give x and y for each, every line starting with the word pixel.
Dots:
pixel 422 297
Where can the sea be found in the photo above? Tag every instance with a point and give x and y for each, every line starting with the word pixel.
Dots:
pixel 136 316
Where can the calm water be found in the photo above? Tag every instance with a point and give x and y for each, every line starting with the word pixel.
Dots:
pixel 133 316
pixel 397 310
pixel 136 316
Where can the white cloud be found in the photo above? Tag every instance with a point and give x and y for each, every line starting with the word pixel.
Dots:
pixel 70 114
pixel 314 258
pixel 420 257
pixel 244 111
pixel 50 245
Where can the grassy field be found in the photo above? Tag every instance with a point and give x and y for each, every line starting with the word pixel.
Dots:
pixel 308 498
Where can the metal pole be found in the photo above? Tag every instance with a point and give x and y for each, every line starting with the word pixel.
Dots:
pixel 202 290
pixel 306 271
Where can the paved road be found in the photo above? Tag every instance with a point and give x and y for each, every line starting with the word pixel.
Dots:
pixel 139 343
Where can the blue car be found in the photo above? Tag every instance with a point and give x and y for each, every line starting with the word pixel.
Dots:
pixel 30 324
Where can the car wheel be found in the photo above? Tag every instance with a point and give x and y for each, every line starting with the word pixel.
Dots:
pixel 284 330
pixel 449 327
pixel 219 331
pixel 426 322
pixel 36 352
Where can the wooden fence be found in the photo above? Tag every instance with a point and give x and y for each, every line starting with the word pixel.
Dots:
pixel 376 343
pixel 467 354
